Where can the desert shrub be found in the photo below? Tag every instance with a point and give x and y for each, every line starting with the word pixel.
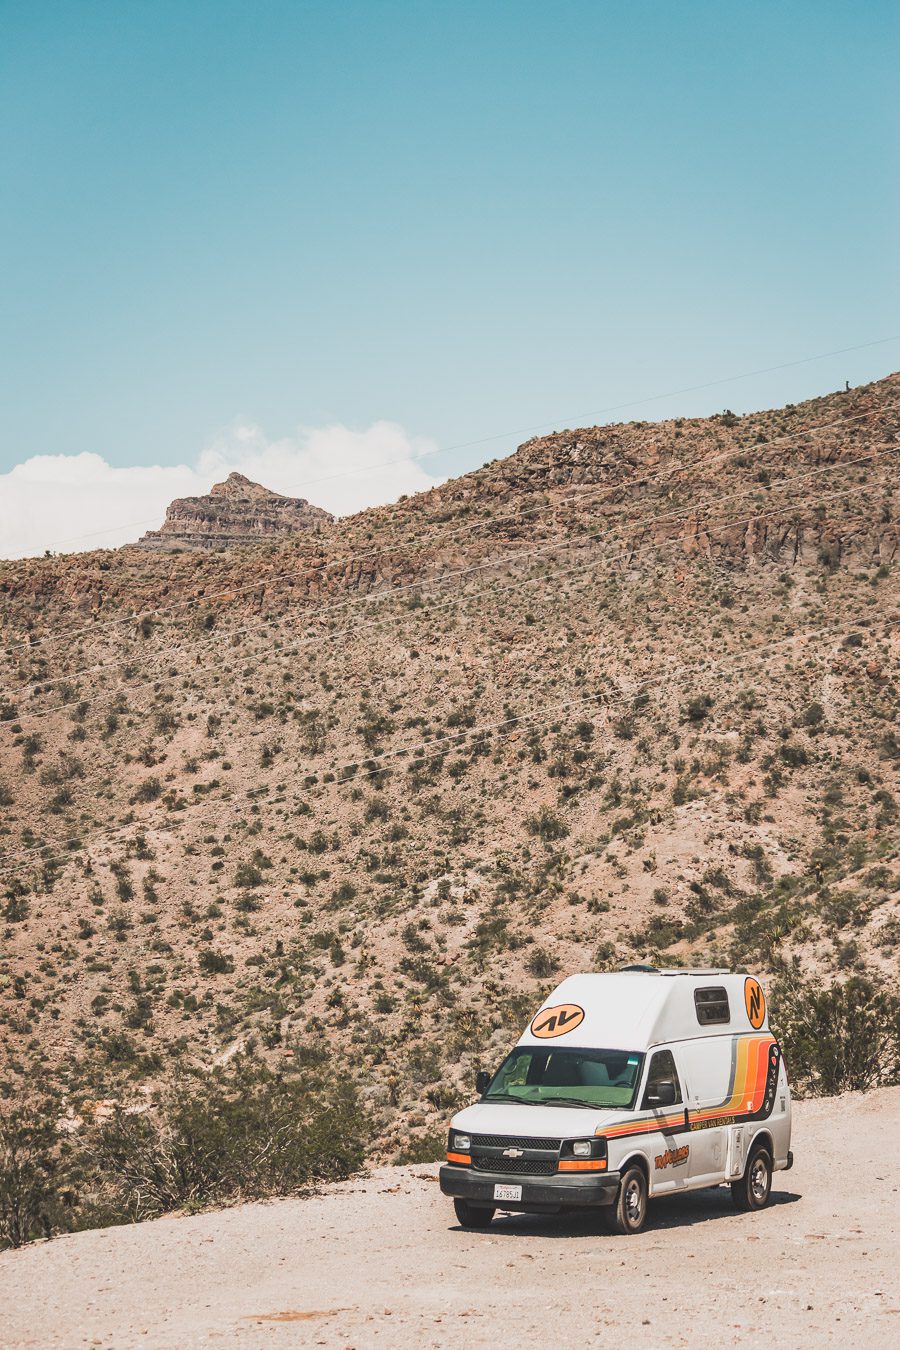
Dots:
pixel 242 1134
pixel 547 825
pixel 541 963
pixel 248 874
pixel 839 1037
pixel 794 756
pixel 32 1158
pixel 698 708
pixel 215 963
pixel 148 791
pixel 427 1148
pixel 15 906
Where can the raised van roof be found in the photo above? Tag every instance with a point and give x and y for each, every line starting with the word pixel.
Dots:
pixel 634 1010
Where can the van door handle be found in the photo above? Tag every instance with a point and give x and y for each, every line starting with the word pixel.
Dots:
pixel 687 1123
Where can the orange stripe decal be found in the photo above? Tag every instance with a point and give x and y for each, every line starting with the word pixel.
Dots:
pixel 746 1094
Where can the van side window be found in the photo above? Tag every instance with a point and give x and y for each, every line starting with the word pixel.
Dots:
pixel 661 1074
pixel 712 1006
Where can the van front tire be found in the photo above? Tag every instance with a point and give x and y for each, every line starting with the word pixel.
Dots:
pixel 470 1216
pixel 629 1213
pixel 755 1186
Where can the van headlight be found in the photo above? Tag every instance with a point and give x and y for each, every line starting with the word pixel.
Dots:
pixel 582 1148
pixel 462 1142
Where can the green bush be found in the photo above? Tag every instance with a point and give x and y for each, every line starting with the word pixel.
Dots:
pixel 241 1135
pixel 427 1148
pixel 541 964
pixel 215 963
pixel 839 1037
pixel 698 708
pixel 547 825
pixel 32 1201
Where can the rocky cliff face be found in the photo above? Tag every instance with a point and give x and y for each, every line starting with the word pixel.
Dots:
pixel 234 512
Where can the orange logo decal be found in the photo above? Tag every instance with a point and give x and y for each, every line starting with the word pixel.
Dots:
pixel 673 1157
pixel 557 1021
pixel 755 1001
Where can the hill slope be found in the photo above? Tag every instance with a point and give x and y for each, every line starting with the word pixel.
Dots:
pixel 630 692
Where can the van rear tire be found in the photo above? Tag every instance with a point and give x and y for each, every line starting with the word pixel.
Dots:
pixel 470 1216
pixel 629 1213
pixel 755 1186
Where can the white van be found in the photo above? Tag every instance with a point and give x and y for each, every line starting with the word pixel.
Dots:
pixel 626 1086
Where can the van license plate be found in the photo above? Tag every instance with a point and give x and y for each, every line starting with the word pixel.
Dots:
pixel 507 1192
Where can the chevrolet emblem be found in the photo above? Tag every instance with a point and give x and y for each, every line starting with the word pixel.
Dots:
pixel 512 1153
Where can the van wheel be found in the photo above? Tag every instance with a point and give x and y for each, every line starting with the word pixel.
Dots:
pixel 755 1186
pixel 470 1216
pixel 629 1213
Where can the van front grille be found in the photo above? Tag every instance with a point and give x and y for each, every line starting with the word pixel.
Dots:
pixel 516 1167
pixel 515 1141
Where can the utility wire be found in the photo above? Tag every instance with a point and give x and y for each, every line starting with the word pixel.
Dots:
pixel 628 553
pixel 726 525
pixel 642 479
pixel 542 426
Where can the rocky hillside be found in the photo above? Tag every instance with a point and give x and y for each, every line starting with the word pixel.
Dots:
pixel 630 692
pixel 234 512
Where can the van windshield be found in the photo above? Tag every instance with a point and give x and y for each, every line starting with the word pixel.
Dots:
pixel 567 1077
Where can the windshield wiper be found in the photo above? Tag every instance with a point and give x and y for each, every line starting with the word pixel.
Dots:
pixel 505 1097
pixel 567 1101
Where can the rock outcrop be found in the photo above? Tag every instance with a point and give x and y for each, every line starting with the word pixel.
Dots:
pixel 237 511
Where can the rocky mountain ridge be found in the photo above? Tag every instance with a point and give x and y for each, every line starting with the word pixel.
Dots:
pixel 667 482
pixel 234 512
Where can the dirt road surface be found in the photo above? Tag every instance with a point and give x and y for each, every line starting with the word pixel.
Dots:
pixel 381 1262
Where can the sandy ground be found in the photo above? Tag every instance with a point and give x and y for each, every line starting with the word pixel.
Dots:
pixel 381 1262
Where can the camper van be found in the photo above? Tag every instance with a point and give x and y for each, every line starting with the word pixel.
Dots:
pixel 625 1087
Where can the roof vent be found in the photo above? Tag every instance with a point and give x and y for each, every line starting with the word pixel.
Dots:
pixel 639 970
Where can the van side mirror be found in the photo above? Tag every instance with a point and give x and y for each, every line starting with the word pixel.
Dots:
pixel 482 1082
pixel 662 1095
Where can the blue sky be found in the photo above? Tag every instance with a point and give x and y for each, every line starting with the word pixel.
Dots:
pixel 461 218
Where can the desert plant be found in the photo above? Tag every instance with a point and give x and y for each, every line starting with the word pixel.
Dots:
pixel 541 964
pixel 839 1037
pixel 212 962
pixel 243 1133
pixel 547 825
pixel 31 1159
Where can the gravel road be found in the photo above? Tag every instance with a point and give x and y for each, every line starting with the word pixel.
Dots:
pixel 380 1262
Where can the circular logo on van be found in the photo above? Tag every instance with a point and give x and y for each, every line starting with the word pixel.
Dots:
pixel 755 1002
pixel 557 1021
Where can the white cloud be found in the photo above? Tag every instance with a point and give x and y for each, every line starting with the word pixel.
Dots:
pixel 69 503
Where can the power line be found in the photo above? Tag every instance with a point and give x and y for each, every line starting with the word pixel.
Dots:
pixel 240 740
pixel 628 553
pixel 723 527
pixel 260 583
pixel 542 426
pixel 480 732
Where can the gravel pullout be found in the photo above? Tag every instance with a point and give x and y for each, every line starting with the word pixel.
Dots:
pixel 380 1262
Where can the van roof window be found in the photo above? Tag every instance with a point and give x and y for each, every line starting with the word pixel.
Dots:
pixel 712 1005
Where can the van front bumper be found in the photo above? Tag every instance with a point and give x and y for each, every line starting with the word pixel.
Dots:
pixel 539 1194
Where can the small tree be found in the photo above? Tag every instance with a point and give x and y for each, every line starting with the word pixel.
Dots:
pixel 547 825
pixel 30 1163
pixel 840 1037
